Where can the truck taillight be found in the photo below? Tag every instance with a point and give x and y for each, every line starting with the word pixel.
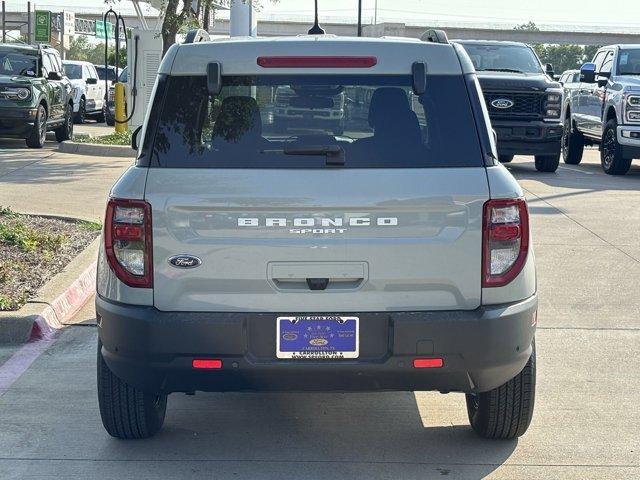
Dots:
pixel 127 241
pixel 505 240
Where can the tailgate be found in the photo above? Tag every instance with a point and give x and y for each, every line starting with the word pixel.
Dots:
pixel 318 240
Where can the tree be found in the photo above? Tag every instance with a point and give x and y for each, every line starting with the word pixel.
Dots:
pixel 80 48
pixel 529 27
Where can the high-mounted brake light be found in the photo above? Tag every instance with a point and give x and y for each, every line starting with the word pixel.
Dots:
pixel 127 241
pixel 505 238
pixel 317 62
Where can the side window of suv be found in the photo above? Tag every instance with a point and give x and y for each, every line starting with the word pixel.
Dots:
pixel 47 67
pixel 599 59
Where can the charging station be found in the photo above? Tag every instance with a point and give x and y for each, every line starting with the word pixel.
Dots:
pixel 144 53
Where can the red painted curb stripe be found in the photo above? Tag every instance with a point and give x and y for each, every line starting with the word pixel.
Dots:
pixel 50 320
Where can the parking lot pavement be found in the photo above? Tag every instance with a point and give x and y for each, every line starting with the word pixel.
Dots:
pixel 46 181
pixel 94 128
pixel 586 422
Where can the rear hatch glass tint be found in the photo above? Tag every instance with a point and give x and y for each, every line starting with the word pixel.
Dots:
pixel 282 121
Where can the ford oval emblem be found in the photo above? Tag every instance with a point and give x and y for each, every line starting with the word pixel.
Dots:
pixel 185 261
pixel 502 103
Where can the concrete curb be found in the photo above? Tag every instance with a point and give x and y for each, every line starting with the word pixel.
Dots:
pixel 96 150
pixel 56 302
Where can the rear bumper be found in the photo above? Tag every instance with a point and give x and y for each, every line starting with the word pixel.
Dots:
pixel 528 138
pixel 153 350
pixel 17 122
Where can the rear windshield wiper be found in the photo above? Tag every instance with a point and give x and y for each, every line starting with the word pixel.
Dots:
pixel 333 153
pixel 508 70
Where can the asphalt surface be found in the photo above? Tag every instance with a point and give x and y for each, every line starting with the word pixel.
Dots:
pixel 45 181
pixel 586 228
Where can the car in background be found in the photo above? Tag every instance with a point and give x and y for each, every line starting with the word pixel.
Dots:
pixel 110 111
pixel 109 73
pixel 35 95
pixel 523 99
pixel 88 91
pixel 605 109
pixel 290 110
pixel 569 77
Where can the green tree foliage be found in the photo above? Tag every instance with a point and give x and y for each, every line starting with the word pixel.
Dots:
pixel 562 57
pixel 81 48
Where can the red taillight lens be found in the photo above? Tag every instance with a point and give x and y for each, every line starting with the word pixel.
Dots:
pixel 505 240
pixel 207 364
pixel 428 363
pixel 317 62
pixel 127 241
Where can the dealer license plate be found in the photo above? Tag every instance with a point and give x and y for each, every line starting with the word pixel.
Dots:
pixel 317 337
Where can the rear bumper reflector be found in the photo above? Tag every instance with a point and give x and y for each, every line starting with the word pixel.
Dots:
pixel 428 363
pixel 206 364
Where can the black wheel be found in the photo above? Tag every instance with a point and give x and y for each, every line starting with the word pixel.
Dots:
pixel 103 113
pixel 505 158
pixel 65 132
pixel 110 121
pixel 547 163
pixel 572 144
pixel 127 412
pixel 506 411
pixel 81 116
pixel 38 135
pixel 611 157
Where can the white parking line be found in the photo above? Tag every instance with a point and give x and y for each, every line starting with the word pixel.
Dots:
pixel 21 360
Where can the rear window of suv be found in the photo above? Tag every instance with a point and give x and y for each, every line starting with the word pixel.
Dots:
pixel 275 121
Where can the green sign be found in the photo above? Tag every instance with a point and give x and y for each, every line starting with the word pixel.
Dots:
pixel 100 30
pixel 43 26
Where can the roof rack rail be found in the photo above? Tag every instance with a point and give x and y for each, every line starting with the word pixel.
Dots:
pixel 435 36
pixel 197 35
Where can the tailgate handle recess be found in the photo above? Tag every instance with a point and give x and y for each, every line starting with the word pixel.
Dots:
pixel 317 276
pixel 317 283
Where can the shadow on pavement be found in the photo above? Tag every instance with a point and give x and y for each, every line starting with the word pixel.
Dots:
pixel 338 430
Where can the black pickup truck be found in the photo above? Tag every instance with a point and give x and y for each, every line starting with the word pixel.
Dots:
pixel 523 100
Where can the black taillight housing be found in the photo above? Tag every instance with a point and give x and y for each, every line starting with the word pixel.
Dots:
pixel 127 241
pixel 505 239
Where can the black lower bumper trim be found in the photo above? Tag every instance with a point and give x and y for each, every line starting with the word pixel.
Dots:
pixel 153 350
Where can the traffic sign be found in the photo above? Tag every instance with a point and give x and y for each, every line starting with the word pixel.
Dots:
pixel 100 30
pixel 43 26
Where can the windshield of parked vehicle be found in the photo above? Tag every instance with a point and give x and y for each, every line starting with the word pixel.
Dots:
pixel 629 62
pixel 503 58
pixel 73 71
pixel 111 73
pixel 18 63
pixel 292 121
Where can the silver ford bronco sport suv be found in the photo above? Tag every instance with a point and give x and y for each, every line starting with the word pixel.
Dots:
pixel 242 256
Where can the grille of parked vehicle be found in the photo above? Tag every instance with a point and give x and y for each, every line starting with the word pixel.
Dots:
pixel 525 105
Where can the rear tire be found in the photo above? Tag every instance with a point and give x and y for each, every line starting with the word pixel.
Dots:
pixel 110 121
pixel 38 135
pixel 126 412
pixel 506 411
pixel 572 144
pixel 611 159
pixel 547 163
pixel 65 132
pixel 505 158
pixel 81 116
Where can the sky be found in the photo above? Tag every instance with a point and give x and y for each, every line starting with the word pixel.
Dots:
pixel 620 14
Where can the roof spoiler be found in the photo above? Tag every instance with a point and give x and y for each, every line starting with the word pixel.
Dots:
pixel 435 36
pixel 197 35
